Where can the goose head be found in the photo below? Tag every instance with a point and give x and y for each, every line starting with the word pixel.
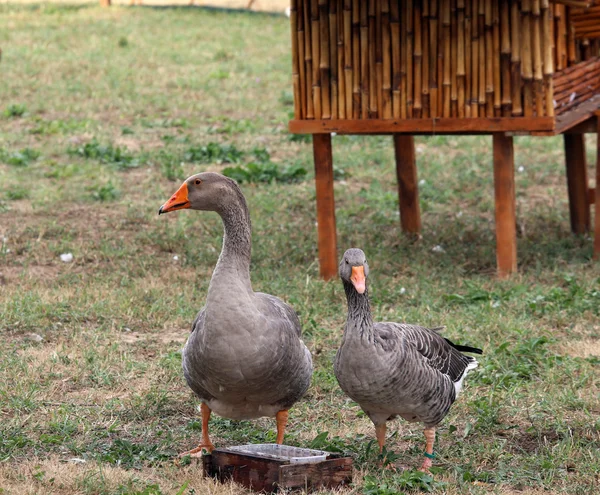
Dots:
pixel 354 269
pixel 206 191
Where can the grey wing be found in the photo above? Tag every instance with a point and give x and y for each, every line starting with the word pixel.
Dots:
pixel 199 320
pixel 191 358
pixel 439 353
pixel 294 368
pixel 281 310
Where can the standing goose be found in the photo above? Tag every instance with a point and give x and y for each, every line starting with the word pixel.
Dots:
pixel 244 358
pixel 395 369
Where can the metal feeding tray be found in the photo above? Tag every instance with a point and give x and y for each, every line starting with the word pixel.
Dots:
pixel 293 455
pixel 274 468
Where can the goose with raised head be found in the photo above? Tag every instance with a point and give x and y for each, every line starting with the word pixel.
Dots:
pixel 244 358
pixel 395 369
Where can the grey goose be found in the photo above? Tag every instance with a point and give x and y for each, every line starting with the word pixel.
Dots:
pixel 395 369
pixel 244 357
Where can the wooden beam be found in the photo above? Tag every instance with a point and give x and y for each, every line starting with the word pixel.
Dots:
pixel 504 188
pixel 408 189
pixel 577 183
pixel 597 205
pixel 327 239
pixel 423 126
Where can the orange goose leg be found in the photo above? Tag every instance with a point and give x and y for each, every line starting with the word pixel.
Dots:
pixel 380 433
pixel 282 419
pixel 206 444
pixel 430 438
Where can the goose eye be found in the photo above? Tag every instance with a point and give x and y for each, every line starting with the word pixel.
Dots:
pixel 346 260
pixel 197 182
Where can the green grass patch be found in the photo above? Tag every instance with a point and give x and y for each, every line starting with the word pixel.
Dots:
pixel 105 111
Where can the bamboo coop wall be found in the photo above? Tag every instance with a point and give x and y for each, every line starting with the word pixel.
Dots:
pixel 393 59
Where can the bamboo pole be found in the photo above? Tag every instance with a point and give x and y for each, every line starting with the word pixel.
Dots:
pixel 341 77
pixel 364 60
pixel 356 61
pixel 515 60
pixel 418 61
pixel 454 59
pixel 373 109
pixel 468 51
pixel 527 68
pixel 409 20
pixel 300 37
pixel 496 62
pixel 333 57
pixel 433 54
pixel 426 61
pixel 446 50
pixel 475 59
pixel 298 114
pixel 398 34
pixel 440 69
pixel 378 58
pixel 482 57
pixel 324 62
pixel 571 52
pixel 386 85
pixel 348 57
pixel 561 37
pixel 505 51
pixel 316 57
pixel 460 59
pixel 536 35
pixel 489 58
pixel 310 107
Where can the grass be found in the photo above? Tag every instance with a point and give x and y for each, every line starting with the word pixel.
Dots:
pixel 104 112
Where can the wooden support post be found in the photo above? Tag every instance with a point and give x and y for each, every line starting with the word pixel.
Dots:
pixel 577 183
pixel 105 3
pixel 327 240
pixel 597 202
pixel 408 189
pixel 504 187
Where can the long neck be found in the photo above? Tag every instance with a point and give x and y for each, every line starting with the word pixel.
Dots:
pixel 234 260
pixel 360 321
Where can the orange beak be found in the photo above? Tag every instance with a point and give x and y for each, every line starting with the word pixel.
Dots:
pixel 178 201
pixel 358 279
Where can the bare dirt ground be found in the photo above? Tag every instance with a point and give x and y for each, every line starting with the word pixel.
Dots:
pixel 277 6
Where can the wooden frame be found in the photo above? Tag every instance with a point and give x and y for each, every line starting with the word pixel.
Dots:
pixel 327 236
pixel 266 475
pixel 408 189
pixel 440 67
pixel 597 194
pixel 504 188
pixel 577 183
pixel 424 126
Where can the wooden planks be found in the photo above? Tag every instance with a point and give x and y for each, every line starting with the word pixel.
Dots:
pixel 408 189
pixel 423 126
pixel 577 183
pixel 326 229
pixel 268 475
pixel 504 189
pixel 597 194
pixel 576 84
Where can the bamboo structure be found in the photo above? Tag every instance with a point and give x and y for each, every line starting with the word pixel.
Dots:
pixel 431 59
pixel 424 67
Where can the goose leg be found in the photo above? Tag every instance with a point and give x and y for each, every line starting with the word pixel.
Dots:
pixel 430 438
pixel 206 444
pixel 380 433
pixel 282 419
